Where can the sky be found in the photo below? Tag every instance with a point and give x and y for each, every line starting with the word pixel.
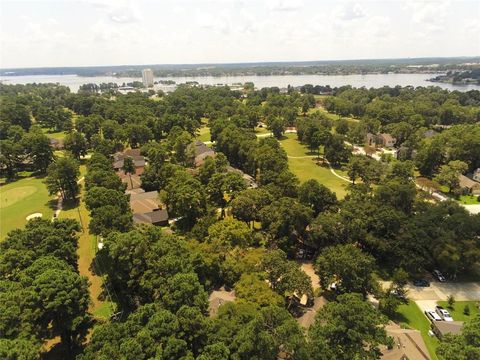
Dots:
pixel 122 32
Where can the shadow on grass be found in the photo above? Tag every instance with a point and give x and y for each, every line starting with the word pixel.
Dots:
pixel 70 204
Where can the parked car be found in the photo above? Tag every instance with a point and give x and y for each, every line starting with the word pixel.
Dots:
pixel 421 282
pixel 444 314
pixel 432 315
pixel 439 276
pixel 398 294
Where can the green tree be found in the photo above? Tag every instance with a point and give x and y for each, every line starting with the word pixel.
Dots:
pixel 253 289
pixel 76 143
pixel 316 196
pixel 349 328
pixel 285 222
pixel 62 176
pixel 348 266
pixel 449 174
pixel 10 157
pixel 465 346
pixel 229 233
pixel 129 168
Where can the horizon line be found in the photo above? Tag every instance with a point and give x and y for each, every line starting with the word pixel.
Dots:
pixel 245 63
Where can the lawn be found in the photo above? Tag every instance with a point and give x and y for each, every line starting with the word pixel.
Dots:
pixel 469 199
pixel 411 316
pixel 203 134
pixel 60 135
pixel 21 198
pixel 87 245
pixel 457 311
pixel 305 166
pixel 261 130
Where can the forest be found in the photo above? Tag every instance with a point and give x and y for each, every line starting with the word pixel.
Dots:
pixel 227 236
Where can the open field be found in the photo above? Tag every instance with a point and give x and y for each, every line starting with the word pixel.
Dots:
pixel 303 165
pixel 55 135
pixel 86 252
pixel 21 198
pixel 203 134
pixel 411 315
pixel 457 311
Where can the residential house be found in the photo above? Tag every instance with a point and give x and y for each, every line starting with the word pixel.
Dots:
pixel 476 175
pixel 469 186
pixel 408 344
pixel 138 161
pixel 386 140
pixel 248 179
pixel 441 328
pixel 202 151
pixel 148 209
pixel 56 143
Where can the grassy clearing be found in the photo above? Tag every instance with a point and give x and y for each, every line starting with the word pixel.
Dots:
pixel 203 134
pixel 86 252
pixel 60 135
pixel 305 166
pixel 458 307
pixel 411 316
pixel 261 130
pixel 21 198
pixel 469 199
pixel 463 199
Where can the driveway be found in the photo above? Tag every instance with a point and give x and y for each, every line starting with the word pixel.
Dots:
pixel 440 291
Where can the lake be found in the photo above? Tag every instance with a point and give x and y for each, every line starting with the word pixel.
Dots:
pixel 370 80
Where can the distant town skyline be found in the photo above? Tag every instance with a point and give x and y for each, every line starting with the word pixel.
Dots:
pixel 103 32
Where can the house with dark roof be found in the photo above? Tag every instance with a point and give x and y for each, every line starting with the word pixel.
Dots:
pixel 148 209
pixel 202 151
pixel 138 161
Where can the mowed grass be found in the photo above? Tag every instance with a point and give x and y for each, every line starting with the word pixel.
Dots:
pixel 203 134
pixel 60 135
pixel 86 252
pixel 411 315
pixel 459 306
pixel 21 198
pixel 305 166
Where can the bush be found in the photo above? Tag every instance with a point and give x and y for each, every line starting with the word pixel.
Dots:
pixel 466 310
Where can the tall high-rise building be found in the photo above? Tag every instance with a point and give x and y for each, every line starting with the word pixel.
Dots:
pixel 147 77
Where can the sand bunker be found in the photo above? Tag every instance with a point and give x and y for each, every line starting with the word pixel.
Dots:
pixel 33 216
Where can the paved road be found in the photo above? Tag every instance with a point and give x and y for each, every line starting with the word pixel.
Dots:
pixel 440 291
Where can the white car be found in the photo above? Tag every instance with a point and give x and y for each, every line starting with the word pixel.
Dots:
pixel 439 276
pixel 432 315
pixel 444 314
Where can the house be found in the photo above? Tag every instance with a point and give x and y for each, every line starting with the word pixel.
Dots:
pixel 248 179
pixel 469 186
pixel 56 144
pixel 441 328
pixel 138 161
pixel 132 181
pixel 408 344
pixel 386 140
pixel 476 175
pixel 148 209
pixel 371 139
pixel 202 151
